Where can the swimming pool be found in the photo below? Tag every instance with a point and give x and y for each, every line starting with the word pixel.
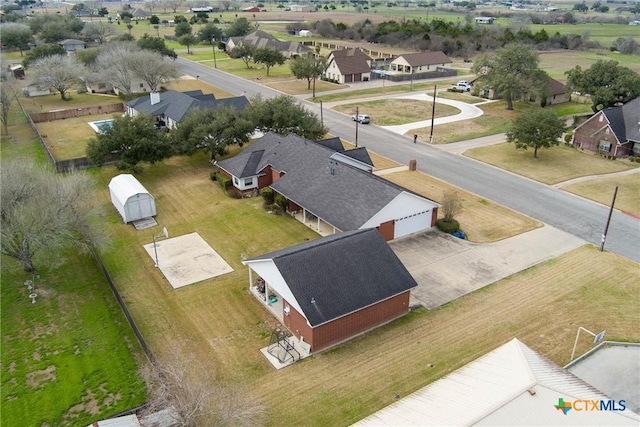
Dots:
pixel 100 125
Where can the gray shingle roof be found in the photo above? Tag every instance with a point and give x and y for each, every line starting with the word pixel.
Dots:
pixel 339 194
pixel 625 121
pixel 176 105
pixel 350 271
pixel 426 58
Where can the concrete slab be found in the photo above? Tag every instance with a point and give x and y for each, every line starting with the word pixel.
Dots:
pixel 447 268
pixel 187 259
pixel 614 369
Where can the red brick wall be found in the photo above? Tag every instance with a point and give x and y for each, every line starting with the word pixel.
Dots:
pixel 297 324
pixel 592 132
pixel 353 324
pixel 275 175
pixel 265 180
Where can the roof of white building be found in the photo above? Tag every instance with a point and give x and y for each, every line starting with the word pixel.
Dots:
pixel 512 385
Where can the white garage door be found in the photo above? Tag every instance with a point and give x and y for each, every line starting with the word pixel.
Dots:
pixel 412 224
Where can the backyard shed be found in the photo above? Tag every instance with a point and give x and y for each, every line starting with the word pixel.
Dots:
pixel 130 198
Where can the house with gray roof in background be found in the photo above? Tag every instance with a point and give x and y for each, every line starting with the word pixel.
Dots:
pixel 261 39
pixel 348 65
pixel 612 131
pixel 329 188
pixel 333 288
pixel 412 63
pixel 171 107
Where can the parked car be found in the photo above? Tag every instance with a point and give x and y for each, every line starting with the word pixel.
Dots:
pixel 361 118
pixel 463 86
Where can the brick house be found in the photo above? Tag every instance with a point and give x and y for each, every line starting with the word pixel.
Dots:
pixel 612 131
pixel 356 283
pixel 328 187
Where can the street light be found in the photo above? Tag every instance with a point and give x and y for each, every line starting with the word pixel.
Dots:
pixel 213 45
pixel 164 234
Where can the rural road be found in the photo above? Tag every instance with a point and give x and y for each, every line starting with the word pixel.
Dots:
pixel 582 218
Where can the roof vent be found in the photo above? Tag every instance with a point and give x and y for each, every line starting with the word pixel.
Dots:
pixel 313 300
pixel 532 392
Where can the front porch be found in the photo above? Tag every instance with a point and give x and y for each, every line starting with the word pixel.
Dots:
pixel 321 227
pixel 270 298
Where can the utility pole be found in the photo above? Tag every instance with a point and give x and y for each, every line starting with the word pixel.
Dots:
pixel 321 118
pixel 433 113
pixel 606 227
pixel 357 121
pixel 213 45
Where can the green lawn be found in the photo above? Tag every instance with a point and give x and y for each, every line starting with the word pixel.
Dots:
pixel 69 358
pixel 389 112
pixel 553 165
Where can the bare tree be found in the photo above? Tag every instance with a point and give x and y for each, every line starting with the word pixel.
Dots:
pixel 61 73
pixel 7 96
pixel 114 65
pixel 451 205
pixel 98 31
pixel 43 212
pixel 153 68
pixel 179 382
pixel 172 4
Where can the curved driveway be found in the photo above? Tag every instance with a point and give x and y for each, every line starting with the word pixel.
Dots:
pixel 577 216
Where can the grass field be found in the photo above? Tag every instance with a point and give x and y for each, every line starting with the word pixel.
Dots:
pixel 220 323
pixel 601 191
pixel 553 165
pixel 69 358
pixel 387 112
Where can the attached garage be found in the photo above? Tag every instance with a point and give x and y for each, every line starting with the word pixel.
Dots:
pixel 131 199
pixel 411 224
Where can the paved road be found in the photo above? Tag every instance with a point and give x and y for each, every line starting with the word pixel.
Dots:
pixel 572 214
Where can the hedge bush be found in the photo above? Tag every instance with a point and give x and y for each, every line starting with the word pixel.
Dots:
pixel 448 226
pixel 223 180
pixel 267 195
pixel 281 201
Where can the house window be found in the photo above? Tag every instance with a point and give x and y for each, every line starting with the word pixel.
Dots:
pixel 248 181
pixel 636 149
pixel 604 146
pixel 141 85
pixel 235 181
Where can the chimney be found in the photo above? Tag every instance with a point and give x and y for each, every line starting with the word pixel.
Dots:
pixel 155 97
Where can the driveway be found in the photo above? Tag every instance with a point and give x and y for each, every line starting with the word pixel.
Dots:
pixel 447 268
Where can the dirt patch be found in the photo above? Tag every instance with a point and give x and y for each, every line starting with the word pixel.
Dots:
pixel 36 378
pixel 12 366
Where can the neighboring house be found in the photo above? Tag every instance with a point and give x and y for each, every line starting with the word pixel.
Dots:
pixel 251 9
pixel 71 45
pixel 33 90
pixel 348 65
pixel 558 93
pixel 411 63
pixel 484 19
pixel 331 187
pixel 171 107
pixel 139 14
pixel 261 39
pixel 98 87
pixel 304 33
pixel 301 8
pixel 333 288
pixel 137 86
pixel 511 385
pixel 612 131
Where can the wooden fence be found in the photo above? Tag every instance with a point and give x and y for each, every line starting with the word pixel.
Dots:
pixel 51 116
